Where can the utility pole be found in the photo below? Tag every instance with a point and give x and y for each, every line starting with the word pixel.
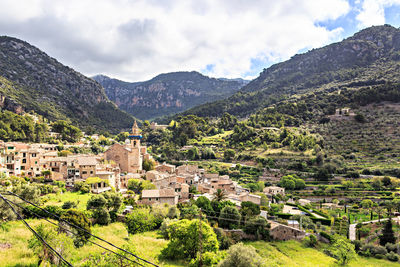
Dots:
pixel 200 240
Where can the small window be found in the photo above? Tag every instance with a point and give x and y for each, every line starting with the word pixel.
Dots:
pixel 84 172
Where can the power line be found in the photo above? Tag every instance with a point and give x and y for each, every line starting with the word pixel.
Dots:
pixel 44 218
pixel 101 239
pixel 35 233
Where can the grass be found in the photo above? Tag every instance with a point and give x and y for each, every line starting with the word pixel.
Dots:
pixel 293 253
pixel 148 246
pixel 59 199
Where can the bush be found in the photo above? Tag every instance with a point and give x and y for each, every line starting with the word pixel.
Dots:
pixel 224 240
pixel 257 226
pixel 69 205
pixel 240 255
pixel 207 258
pixel 392 256
pixel 101 216
pixel 391 247
pixel 310 241
pixel 78 218
pixel 229 218
pixel 163 230
pixel 184 239
pixel 142 220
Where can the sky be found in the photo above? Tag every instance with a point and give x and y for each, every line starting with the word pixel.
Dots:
pixel 135 40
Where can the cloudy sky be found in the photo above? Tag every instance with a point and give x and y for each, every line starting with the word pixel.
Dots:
pixel 135 40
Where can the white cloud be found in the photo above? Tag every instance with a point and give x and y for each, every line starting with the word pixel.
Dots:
pixel 136 40
pixel 373 12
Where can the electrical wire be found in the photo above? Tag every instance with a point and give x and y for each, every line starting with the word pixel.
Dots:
pixel 44 218
pixel 35 233
pixel 78 227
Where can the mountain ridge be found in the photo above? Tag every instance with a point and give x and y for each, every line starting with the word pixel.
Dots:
pixel 370 55
pixel 167 93
pixel 38 82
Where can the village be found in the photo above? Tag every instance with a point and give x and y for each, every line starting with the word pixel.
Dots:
pixel 121 162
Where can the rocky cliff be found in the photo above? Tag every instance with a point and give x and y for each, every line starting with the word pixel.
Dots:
pixel 168 93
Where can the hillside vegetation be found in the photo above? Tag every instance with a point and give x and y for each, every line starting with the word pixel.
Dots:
pixel 31 80
pixel 370 57
pixel 168 93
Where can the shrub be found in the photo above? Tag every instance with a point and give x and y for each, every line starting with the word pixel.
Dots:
pixel 392 256
pixel 140 221
pixel 207 259
pixel 101 216
pixel 310 241
pixel 184 239
pixel 78 218
pixel 229 218
pixel 163 230
pixel 224 240
pixel 257 226
pixel 391 247
pixel 240 255
pixel 69 205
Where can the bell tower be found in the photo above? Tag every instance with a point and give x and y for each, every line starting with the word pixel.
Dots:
pixel 135 136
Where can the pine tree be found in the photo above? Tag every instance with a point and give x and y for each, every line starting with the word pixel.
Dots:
pixel 387 234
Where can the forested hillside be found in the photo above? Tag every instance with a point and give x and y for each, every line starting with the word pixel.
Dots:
pixel 369 58
pixel 31 80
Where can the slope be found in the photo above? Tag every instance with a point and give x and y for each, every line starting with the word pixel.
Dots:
pixel 31 80
pixel 167 93
pixel 370 57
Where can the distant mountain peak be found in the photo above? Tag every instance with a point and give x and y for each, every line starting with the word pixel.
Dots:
pixel 167 93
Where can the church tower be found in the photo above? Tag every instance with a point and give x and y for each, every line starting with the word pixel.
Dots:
pixel 135 136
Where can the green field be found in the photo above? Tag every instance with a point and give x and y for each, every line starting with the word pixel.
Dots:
pixel 60 198
pixel 148 245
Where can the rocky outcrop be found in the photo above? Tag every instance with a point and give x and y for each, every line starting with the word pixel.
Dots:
pixel 167 93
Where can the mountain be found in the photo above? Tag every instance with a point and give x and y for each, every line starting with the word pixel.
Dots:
pixel 31 80
pixel 167 93
pixel 370 57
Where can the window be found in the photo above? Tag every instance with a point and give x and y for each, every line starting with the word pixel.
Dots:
pixel 23 160
pixel 84 172
pixel 33 155
pixel 91 172
pixel 22 168
pixel 24 154
pixel 149 198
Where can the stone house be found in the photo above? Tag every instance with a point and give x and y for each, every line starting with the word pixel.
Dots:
pixel 283 232
pixel 274 190
pixel 169 168
pixel 165 195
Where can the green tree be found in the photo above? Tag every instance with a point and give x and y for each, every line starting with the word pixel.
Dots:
pixel 387 234
pixel 193 153
pixel 149 164
pixel 205 205
pixel 140 221
pixel 240 255
pixel 219 195
pixel 343 250
pixel 60 242
pixel 76 218
pixel 184 239
pixel 229 154
pixel 257 226
pixel 229 217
